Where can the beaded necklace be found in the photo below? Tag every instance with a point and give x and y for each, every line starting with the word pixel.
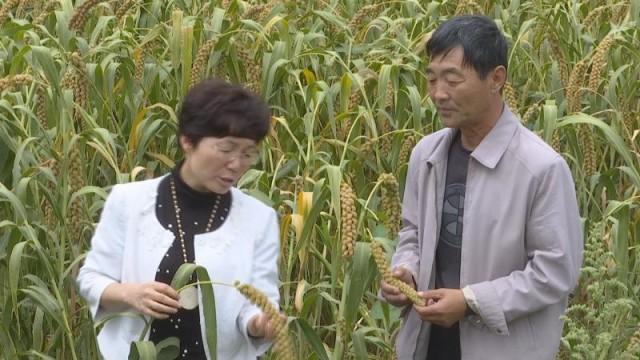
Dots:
pixel 177 210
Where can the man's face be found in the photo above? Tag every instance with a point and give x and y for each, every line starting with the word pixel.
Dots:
pixel 462 99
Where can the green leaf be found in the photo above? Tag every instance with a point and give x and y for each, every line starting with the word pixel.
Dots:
pixel 345 91
pixel 180 279
pixel 17 205
pixel 44 58
pixel 187 57
pixel 8 349
pixel 310 220
pixel 38 355
pixel 613 138
pixel 335 178
pixel 360 278
pixel 176 38
pixel 15 263
pixel 217 20
pixel 550 111
pixel 47 302
pixel 37 331
pixel 312 338
pixel 142 350
pixel 168 349
pixel 359 346
pixel 416 108
pixel 620 232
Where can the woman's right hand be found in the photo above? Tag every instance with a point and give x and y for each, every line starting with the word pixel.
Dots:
pixel 154 299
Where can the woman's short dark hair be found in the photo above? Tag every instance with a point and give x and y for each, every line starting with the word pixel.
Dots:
pixel 217 108
pixel 483 44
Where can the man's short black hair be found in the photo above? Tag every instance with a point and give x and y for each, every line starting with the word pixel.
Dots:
pixel 216 108
pixel 483 44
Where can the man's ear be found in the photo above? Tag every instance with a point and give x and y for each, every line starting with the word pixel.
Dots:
pixel 498 78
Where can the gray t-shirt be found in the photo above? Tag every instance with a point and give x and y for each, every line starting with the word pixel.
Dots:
pixel 444 343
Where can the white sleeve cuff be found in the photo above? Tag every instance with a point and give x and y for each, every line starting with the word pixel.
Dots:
pixel 470 299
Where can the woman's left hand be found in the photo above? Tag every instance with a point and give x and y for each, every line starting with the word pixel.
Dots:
pixel 261 326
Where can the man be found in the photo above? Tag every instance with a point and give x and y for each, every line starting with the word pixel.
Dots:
pixel 491 234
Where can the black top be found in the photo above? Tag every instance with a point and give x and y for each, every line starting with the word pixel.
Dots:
pixel 195 209
pixel 444 343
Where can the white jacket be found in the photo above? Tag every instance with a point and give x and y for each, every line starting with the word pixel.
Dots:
pixel 129 243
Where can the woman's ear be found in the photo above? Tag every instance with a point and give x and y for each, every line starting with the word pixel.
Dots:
pixel 186 144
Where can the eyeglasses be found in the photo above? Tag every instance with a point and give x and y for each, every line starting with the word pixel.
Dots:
pixel 229 151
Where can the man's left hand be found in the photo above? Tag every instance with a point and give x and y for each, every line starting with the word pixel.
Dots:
pixel 445 307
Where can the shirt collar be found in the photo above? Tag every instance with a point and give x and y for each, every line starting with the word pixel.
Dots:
pixel 495 143
pixel 490 149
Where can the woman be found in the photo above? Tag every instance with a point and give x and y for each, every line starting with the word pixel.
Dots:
pixel 192 215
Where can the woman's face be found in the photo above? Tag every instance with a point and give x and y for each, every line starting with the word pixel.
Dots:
pixel 216 164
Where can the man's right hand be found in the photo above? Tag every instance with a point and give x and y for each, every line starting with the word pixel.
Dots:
pixel 391 293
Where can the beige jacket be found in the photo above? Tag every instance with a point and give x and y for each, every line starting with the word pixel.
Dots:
pixel 521 247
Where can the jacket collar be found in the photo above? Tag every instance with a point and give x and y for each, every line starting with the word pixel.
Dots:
pixel 441 151
pixel 491 148
pixel 150 197
pixel 494 145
